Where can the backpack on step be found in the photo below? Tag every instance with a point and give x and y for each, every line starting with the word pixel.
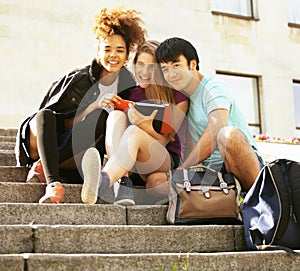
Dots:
pixel 271 208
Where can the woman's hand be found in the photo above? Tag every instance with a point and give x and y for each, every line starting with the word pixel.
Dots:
pixel 108 100
pixel 138 119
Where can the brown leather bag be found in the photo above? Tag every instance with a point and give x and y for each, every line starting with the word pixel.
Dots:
pixel 201 195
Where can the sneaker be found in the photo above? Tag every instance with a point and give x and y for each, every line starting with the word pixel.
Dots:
pixel 36 173
pixel 125 193
pixel 54 193
pixel 95 181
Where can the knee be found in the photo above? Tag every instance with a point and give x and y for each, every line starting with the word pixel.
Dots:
pixel 116 116
pixel 156 180
pixel 134 133
pixel 157 183
pixel 228 136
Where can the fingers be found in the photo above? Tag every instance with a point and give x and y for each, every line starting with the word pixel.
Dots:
pixel 153 114
pixel 109 100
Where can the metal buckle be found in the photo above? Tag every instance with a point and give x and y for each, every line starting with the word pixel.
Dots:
pixel 205 191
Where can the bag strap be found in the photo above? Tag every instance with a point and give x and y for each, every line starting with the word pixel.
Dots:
pixel 294 179
pixel 278 173
pixel 200 167
pixel 277 247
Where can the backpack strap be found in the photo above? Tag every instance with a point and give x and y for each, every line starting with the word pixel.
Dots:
pixel 277 247
pixel 294 178
pixel 278 174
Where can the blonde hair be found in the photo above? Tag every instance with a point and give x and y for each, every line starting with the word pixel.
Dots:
pixel 160 91
pixel 119 21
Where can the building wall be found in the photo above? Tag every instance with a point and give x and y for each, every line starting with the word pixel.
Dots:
pixel 41 40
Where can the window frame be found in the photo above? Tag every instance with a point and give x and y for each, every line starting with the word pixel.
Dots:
pixel 253 16
pixel 296 82
pixel 259 93
pixel 292 24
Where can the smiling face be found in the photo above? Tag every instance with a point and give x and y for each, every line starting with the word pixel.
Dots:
pixel 144 69
pixel 178 74
pixel 112 53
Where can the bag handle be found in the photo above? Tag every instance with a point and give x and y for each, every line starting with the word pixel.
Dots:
pixel 200 167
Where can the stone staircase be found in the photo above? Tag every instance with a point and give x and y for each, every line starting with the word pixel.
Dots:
pixel 74 236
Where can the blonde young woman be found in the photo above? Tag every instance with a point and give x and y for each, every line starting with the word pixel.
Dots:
pixel 137 147
pixel 72 116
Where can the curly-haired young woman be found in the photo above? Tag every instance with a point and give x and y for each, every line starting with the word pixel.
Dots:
pixel 72 116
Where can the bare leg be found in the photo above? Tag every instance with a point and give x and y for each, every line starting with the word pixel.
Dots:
pixel 157 184
pixel 33 148
pixel 239 157
pixel 115 127
pixel 138 149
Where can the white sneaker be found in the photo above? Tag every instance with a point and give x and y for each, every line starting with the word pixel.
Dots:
pixel 91 168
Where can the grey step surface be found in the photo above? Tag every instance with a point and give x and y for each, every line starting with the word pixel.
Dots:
pixel 21 192
pixel 119 239
pixel 227 261
pixel 81 214
pixel 7 158
pixel 7 145
pixel 8 132
pixel 13 174
pixel 11 139
pixel 31 193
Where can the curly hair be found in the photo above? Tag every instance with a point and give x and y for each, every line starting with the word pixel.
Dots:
pixel 125 23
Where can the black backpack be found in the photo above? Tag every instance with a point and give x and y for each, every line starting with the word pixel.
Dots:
pixel 271 208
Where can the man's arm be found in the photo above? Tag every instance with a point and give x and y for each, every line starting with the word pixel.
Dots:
pixel 207 142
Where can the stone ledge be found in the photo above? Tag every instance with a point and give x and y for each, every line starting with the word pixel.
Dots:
pixel 225 261
pixel 272 151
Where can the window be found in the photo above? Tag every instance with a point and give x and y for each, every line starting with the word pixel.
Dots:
pixel 293 8
pixel 296 86
pixel 245 91
pixel 242 8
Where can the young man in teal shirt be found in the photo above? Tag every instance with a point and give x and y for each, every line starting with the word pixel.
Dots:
pixel 217 127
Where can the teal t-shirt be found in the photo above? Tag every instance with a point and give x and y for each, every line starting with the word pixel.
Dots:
pixel 211 94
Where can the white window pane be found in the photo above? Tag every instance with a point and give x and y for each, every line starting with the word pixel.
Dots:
pixel 238 7
pixel 244 90
pixel 293 8
pixel 297 103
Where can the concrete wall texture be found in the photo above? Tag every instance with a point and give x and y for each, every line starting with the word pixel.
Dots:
pixel 41 39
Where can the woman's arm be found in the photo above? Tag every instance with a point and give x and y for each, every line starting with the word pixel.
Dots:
pixel 107 101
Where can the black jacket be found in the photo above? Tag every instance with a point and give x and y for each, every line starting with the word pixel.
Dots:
pixel 69 95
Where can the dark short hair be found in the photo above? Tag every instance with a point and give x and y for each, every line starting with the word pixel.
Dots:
pixel 172 48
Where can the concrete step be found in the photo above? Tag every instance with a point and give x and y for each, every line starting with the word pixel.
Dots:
pixel 227 261
pixel 31 193
pixel 7 158
pixel 21 192
pixel 7 145
pixel 11 139
pixel 8 132
pixel 81 214
pixel 13 174
pixel 120 239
